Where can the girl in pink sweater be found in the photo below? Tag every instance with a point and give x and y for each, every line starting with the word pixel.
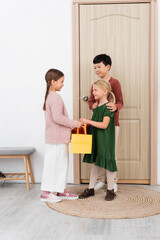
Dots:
pixel 57 135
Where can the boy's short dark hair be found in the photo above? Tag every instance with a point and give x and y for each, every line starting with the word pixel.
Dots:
pixel 102 58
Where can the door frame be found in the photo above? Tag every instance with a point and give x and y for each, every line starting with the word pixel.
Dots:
pixel 153 83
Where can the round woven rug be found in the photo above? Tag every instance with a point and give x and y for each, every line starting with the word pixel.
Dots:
pixel 130 202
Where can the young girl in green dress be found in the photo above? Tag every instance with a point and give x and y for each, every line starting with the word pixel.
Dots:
pixel 103 145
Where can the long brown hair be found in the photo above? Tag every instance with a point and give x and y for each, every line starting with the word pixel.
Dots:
pixel 104 85
pixel 52 74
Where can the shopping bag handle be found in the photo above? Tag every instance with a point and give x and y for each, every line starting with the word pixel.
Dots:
pixel 85 129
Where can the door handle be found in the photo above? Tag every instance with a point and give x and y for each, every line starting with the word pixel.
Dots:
pixel 85 98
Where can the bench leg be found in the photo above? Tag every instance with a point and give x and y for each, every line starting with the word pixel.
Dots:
pixel 30 168
pixel 26 171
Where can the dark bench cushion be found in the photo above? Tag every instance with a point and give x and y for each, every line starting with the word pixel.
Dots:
pixel 16 150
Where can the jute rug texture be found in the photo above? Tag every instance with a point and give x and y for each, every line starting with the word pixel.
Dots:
pixel 130 202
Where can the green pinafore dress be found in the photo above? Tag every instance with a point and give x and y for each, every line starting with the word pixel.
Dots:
pixel 103 142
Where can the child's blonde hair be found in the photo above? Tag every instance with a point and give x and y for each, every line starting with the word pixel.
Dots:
pixel 104 85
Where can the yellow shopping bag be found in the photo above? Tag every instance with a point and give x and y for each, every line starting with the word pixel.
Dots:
pixel 81 143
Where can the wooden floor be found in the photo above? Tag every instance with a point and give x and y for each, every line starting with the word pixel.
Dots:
pixel 24 217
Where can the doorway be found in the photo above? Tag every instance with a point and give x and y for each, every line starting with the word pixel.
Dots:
pixel 122 31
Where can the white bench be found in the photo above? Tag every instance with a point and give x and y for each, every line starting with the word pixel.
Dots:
pixel 19 152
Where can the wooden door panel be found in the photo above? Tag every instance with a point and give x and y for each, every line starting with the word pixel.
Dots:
pixel 129 150
pixel 121 31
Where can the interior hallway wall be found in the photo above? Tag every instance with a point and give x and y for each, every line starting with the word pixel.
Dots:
pixel 35 36
pixel 158 142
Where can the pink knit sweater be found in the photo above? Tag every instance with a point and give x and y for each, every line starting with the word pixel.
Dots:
pixel 58 125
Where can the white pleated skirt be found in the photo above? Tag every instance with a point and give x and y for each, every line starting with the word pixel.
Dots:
pixel 55 171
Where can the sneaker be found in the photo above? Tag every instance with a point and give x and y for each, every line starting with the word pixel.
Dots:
pixel 110 195
pixel 2 175
pixel 67 195
pixel 87 193
pixel 99 185
pixel 50 198
pixel 115 187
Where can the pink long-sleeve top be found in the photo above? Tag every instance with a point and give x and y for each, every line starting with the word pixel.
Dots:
pixel 116 89
pixel 58 125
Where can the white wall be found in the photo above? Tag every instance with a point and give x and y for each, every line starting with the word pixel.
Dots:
pixel 35 36
pixel 158 157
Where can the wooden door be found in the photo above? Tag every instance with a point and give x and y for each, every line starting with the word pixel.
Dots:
pixel 121 31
